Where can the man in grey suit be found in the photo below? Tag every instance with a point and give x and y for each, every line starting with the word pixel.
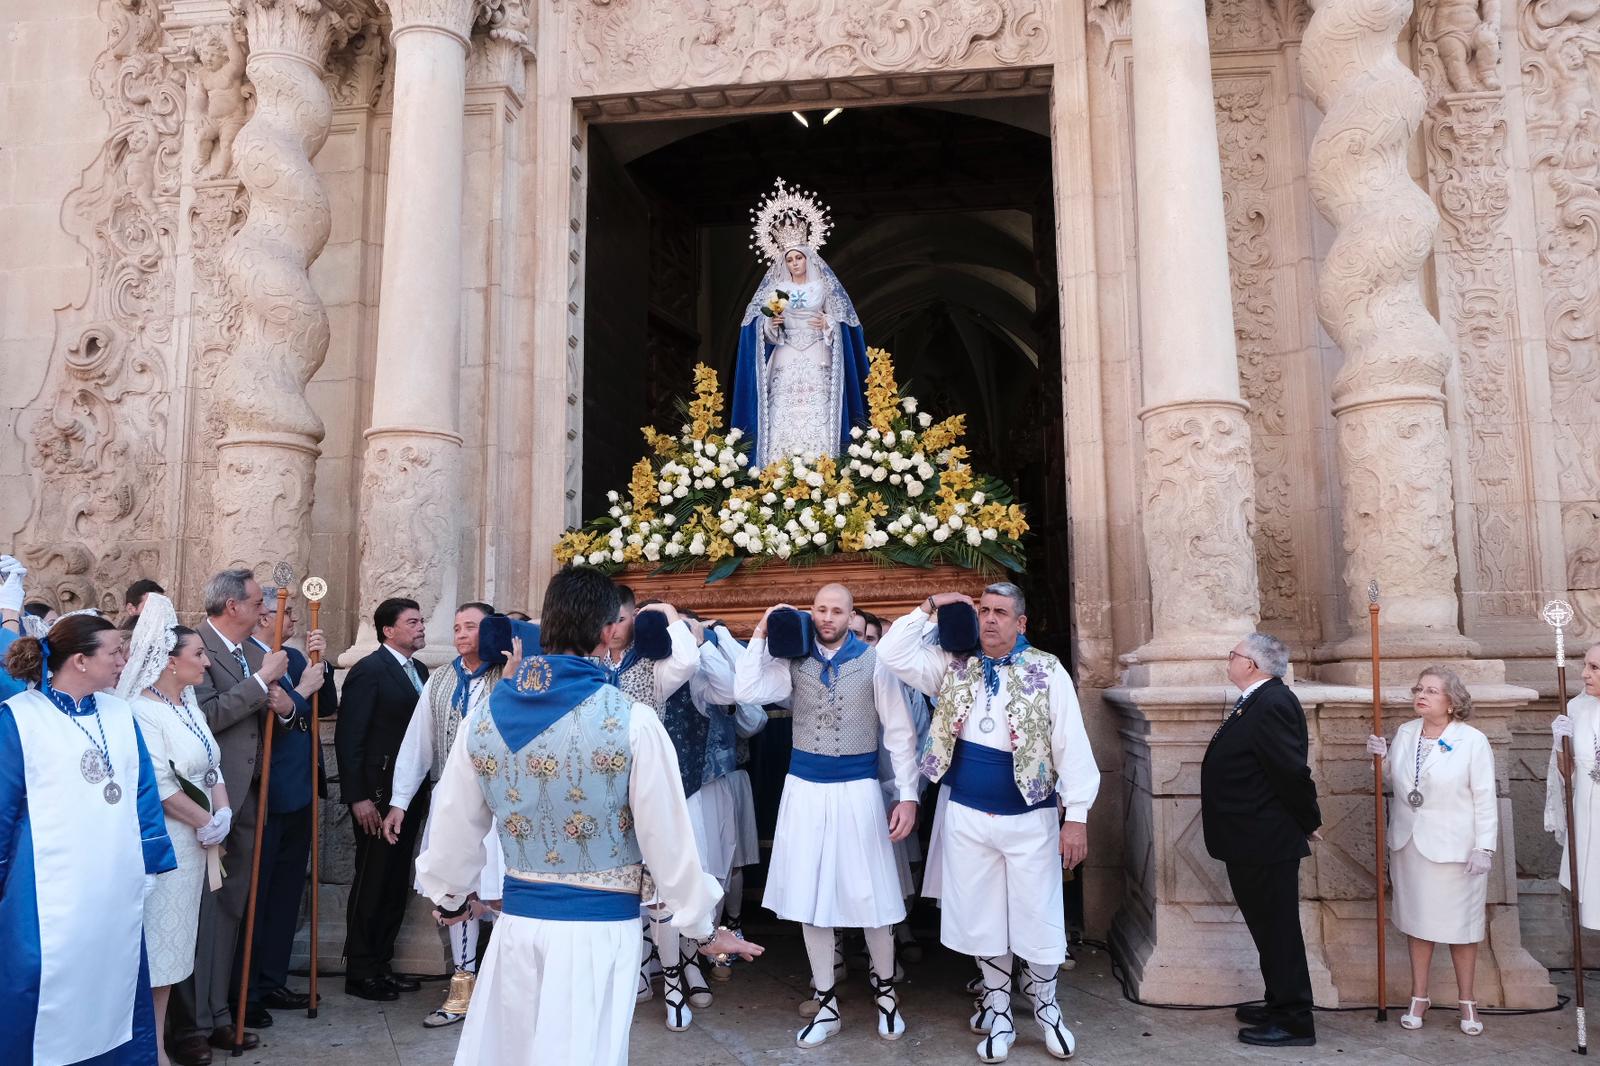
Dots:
pixel 238 694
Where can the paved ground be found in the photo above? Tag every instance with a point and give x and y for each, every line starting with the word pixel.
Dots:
pixel 753 1022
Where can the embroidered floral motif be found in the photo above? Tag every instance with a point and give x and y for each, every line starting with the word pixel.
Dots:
pixel 625 819
pixel 580 826
pixel 518 826
pixel 553 857
pixel 609 761
pixel 1027 716
pixel 576 795
pixel 543 766
pixel 611 723
pixel 513 795
pixel 485 765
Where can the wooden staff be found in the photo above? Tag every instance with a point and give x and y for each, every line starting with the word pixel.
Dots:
pixel 313 590
pixel 1377 798
pixel 281 576
pixel 1558 614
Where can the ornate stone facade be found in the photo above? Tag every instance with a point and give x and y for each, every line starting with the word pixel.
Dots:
pixel 328 304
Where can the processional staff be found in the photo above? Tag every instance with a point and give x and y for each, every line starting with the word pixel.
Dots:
pixel 282 576
pixel 1558 614
pixel 1377 798
pixel 314 589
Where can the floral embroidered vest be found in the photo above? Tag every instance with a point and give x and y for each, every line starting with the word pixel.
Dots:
pixel 1027 713
pixel 561 803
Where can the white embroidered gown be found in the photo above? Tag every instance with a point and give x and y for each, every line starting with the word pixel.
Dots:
pixel 800 386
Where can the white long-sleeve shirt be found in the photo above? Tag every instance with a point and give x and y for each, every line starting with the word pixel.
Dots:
pixel 414 762
pixel 715 684
pixel 906 653
pixel 451 865
pixel 760 678
pixel 679 667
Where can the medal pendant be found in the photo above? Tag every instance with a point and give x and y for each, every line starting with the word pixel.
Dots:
pixel 986 725
pixel 92 766
pixel 1414 798
pixel 112 792
pixel 211 778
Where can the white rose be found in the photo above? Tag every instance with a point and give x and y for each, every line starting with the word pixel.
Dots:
pixel 895 479
pixel 729 526
pixel 941 534
pixel 924 420
pixel 855 432
pixel 755 546
pixel 788 503
pixel 977 499
pixel 839 522
pixel 814 479
pixel 913 487
pixel 955 521
pixel 596 558
pixel 626 521
pixel 667 520
pixel 741 538
pixel 665 486
pixel 853 451
pixel 727 482
pixel 819 539
pixel 679 493
pixel 765 512
pixel 872 434
pixel 735 434
pixel 699 447
pixel 879 538
pixel 611 494
pixel 961 508
pixel 991 534
pixel 879 473
pixel 616 556
pixel 673 549
pixel 652 553
pixel 925 472
pixel 792 526
pixel 770 498
pixel 783 551
pixel 974 538
pixel 697 548
pixel 910 405
pixel 929 522
pixel 907 435
pixel 742 460
pixel 615 512
pixel 635 539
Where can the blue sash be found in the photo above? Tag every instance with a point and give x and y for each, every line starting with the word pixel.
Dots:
pixel 567 903
pixel 832 769
pixel 982 778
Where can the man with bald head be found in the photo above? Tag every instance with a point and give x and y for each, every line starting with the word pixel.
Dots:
pixel 832 861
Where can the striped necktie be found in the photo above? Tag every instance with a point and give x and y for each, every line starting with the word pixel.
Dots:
pixel 238 657
pixel 411 672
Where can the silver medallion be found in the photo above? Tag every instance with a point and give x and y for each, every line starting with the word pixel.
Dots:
pixel 92 766
pixel 112 792
pixel 986 725
pixel 1414 798
pixel 211 778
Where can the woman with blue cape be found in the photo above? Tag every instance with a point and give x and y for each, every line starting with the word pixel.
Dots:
pixel 799 380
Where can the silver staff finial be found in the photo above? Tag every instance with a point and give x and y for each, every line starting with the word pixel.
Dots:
pixel 283 575
pixel 314 588
pixel 1558 614
pixel 1372 591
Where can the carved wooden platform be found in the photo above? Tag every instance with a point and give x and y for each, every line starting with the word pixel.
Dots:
pixel 740 600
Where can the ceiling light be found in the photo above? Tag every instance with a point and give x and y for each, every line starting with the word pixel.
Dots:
pixel 831 115
pixel 798 117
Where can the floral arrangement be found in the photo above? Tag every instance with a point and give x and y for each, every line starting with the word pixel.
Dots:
pixel 903 493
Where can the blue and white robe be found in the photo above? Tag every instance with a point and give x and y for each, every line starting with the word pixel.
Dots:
pixel 73 977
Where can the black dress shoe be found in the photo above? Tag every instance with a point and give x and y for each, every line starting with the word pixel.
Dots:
pixel 373 988
pixel 190 1050
pixel 400 983
pixel 283 999
pixel 256 1017
pixel 1275 1036
pixel 1250 1014
pixel 221 1038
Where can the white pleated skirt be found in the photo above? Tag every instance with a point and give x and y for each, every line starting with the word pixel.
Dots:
pixel 1437 901
pixel 723 815
pixel 553 992
pixel 832 864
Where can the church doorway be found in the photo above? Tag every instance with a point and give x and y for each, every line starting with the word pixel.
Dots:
pixel 944 236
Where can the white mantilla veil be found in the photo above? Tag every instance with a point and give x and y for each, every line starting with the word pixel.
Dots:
pixel 150 648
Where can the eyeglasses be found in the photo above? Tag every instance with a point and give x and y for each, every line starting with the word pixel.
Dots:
pixel 1232 655
pixel 1418 690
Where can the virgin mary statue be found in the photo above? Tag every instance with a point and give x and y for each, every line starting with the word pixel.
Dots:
pixel 798 383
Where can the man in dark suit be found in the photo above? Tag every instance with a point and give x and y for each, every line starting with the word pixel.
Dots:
pixel 1258 806
pixel 239 693
pixel 379 695
pixel 286 837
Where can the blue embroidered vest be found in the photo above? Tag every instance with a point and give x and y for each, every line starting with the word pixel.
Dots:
pixel 561 803
pixel 687 728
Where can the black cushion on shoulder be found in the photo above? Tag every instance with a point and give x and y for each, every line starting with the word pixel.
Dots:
pixel 789 634
pixel 958 628
pixel 650 637
pixel 494 638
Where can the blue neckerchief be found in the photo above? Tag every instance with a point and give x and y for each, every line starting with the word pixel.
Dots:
pixel 852 648
pixel 991 667
pixel 464 680
pixel 545 689
pixel 629 659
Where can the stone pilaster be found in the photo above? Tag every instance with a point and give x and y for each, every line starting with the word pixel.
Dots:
pixel 409 518
pixel 1199 482
pixel 1388 399
pixel 266 457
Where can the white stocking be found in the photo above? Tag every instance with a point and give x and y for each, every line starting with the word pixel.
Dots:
pixel 819 949
pixel 880 946
pixel 464 946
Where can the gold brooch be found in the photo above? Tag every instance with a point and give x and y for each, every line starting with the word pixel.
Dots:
pixel 534 675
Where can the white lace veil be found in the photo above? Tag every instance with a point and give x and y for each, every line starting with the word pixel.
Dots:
pixel 150 647
pixel 835 299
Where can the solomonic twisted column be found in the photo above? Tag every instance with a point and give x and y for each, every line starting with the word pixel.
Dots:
pixel 409 486
pixel 267 456
pixel 1388 399
pixel 1199 490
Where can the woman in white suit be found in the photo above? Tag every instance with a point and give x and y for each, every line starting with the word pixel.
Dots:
pixel 1443 825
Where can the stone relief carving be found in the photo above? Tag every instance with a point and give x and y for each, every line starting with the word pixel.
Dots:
pixel 1561 75
pixel 1243 112
pixel 408 489
pixel 636 45
pixel 356 72
pixel 259 390
pixel 1241 24
pixel 1465 135
pixel 96 434
pixel 221 97
pixel 1199 513
pixel 1394 452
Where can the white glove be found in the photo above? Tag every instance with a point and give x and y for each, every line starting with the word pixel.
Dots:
pixel 1479 861
pixel 10 565
pixel 1376 745
pixel 1561 728
pixel 216 830
pixel 11 590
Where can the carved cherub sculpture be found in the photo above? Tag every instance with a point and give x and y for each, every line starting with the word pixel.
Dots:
pixel 1468 38
pixel 222 95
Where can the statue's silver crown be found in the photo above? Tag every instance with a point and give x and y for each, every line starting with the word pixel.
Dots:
pixel 786 218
